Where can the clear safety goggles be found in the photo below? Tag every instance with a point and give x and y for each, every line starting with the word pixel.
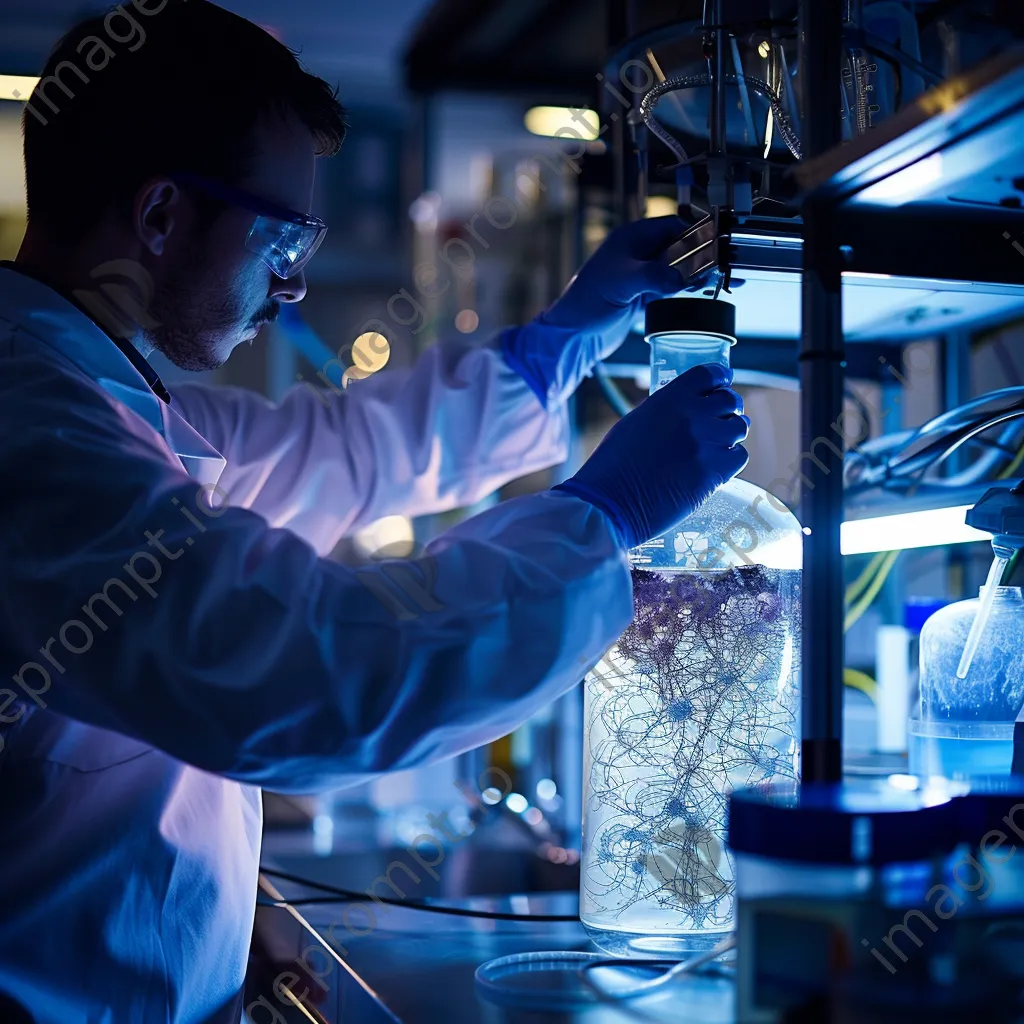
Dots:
pixel 283 239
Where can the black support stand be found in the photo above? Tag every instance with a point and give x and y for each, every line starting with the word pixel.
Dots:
pixel 822 369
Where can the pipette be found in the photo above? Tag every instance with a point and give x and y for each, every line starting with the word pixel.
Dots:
pixel 988 595
pixel 1001 513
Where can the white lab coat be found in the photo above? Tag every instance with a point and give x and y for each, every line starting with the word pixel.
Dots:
pixel 129 809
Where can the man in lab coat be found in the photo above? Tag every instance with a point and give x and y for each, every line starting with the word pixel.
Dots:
pixel 174 636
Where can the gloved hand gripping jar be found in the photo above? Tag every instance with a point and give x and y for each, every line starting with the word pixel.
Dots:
pixel 698 697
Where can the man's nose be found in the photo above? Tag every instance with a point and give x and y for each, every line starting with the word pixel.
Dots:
pixel 288 289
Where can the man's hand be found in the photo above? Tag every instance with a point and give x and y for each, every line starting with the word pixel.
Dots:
pixel 559 348
pixel 616 283
pixel 668 456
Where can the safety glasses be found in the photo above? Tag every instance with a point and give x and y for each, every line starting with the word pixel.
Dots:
pixel 283 239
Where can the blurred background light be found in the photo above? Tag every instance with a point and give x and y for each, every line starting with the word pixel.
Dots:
pixel 564 122
pixel 516 803
pixel 17 87
pixel 661 206
pixel 467 321
pixel 546 789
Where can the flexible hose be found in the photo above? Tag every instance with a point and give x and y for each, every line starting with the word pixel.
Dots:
pixel 883 460
pixel 861 583
pixel 864 602
pixel 1011 469
pixel 857 680
pixel 651 100
pixel 857 73
pixel 941 449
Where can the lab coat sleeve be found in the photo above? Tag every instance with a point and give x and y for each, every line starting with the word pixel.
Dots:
pixel 441 435
pixel 231 646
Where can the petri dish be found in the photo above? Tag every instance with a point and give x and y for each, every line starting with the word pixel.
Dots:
pixel 545 980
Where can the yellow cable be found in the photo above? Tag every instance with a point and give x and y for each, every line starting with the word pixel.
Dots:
pixel 860 681
pixel 864 602
pixel 854 590
pixel 1012 468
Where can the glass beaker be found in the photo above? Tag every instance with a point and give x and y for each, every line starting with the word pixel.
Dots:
pixel 699 696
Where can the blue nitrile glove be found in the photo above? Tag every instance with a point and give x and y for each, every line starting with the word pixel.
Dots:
pixel 557 349
pixel 663 460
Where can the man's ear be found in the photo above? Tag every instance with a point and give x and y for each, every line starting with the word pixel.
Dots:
pixel 156 212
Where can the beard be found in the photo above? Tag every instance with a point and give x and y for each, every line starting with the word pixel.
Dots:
pixel 195 326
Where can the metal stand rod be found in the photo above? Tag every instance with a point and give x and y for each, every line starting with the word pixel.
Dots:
pixel 629 191
pixel 821 405
pixel 718 91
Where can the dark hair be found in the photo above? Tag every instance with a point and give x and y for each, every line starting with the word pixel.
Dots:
pixel 151 87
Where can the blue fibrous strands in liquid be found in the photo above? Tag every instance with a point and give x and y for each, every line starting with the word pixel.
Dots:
pixel 697 698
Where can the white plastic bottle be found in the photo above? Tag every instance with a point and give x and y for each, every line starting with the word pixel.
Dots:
pixel 964 727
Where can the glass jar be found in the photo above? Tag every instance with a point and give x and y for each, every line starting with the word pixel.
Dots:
pixel 964 727
pixel 838 890
pixel 698 697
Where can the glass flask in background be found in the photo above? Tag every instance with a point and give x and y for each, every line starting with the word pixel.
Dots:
pixel 700 696
pixel 965 726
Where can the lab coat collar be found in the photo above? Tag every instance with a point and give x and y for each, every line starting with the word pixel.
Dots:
pixel 51 319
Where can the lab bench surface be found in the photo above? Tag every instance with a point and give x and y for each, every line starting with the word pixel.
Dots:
pixel 418 967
